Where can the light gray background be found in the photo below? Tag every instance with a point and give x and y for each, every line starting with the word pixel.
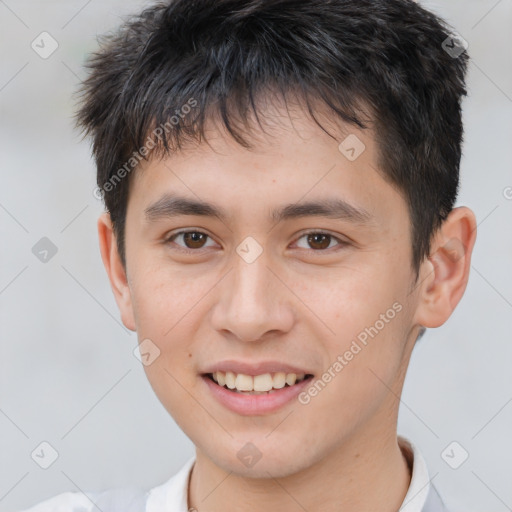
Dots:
pixel 68 375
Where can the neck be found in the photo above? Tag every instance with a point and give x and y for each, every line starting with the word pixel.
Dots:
pixel 365 473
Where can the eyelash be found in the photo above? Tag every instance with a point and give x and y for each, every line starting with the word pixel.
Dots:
pixel 341 243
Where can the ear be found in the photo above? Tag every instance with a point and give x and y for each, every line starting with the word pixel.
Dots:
pixel 445 273
pixel 115 270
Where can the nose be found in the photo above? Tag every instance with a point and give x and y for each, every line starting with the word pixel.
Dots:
pixel 254 303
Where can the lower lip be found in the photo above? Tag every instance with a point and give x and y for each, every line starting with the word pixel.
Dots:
pixel 250 405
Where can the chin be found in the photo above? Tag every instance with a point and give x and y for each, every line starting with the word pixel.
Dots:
pixel 260 458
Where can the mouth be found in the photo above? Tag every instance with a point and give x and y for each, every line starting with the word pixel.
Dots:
pixel 263 384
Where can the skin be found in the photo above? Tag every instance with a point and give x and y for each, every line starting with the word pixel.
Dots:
pixel 294 303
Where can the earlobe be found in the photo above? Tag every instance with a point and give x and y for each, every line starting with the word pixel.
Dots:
pixel 115 270
pixel 446 271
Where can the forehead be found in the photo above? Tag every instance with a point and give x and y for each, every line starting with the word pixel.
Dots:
pixel 293 167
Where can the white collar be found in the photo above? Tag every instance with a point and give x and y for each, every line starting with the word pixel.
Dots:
pixel 419 487
pixel 173 494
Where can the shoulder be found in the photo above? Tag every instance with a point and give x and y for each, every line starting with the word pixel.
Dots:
pixel 111 500
pixel 171 495
pixel 65 502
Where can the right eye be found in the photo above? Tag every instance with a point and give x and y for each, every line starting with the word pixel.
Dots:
pixel 193 240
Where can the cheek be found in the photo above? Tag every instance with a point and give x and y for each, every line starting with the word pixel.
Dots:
pixel 174 386
pixel 166 298
pixel 164 310
pixel 345 300
pixel 167 306
pixel 360 377
pixel 365 338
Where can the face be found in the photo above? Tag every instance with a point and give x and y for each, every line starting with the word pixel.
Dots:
pixel 267 287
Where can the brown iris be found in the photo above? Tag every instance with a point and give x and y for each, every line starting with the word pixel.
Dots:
pixel 195 238
pixel 314 238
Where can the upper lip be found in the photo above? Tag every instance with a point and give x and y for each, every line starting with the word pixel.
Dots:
pixel 253 368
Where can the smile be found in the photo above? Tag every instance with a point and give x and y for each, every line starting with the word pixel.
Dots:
pixel 255 395
pixel 257 384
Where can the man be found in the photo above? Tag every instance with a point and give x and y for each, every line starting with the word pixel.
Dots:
pixel 279 178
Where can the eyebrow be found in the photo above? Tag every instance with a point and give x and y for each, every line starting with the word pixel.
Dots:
pixel 171 205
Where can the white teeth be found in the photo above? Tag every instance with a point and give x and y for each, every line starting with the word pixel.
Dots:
pixel 291 378
pixel 230 379
pixel 262 382
pixel 257 384
pixel 279 380
pixel 244 382
pixel 221 378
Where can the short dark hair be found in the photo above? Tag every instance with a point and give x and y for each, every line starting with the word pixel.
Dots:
pixel 222 56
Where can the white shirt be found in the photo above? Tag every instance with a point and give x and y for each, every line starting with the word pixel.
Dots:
pixel 171 496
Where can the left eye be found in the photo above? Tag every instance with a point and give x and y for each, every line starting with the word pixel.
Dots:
pixel 194 240
pixel 321 240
